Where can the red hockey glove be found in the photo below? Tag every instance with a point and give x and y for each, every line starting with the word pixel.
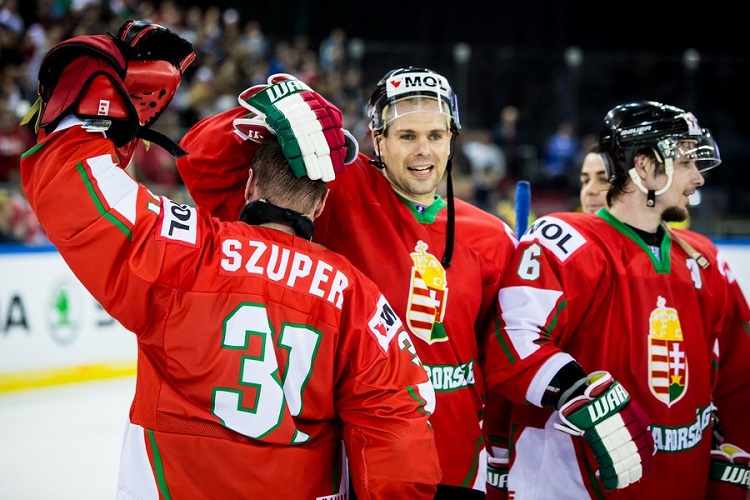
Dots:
pixel 615 428
pixel 729 475
pixel 85 75
pixel 120 85
pixel 157 58
pixel 308 127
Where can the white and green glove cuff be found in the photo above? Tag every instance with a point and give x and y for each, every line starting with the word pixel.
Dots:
pixel 731 465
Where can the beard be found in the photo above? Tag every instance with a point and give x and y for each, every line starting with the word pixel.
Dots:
pixel 674 214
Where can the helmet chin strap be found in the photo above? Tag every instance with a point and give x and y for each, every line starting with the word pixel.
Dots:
pixel 378 160
pixel 650 193
pixel 451 224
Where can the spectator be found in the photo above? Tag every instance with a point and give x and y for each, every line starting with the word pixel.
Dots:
pixel 488 168
pixel 506 133
pixel 333 51
pixel 23 222
pixel 10 16
pixel 254 42
pixel 559 158
pixel 6 230
pixel 14 141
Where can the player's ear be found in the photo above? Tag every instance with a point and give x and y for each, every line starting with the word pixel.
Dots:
pixel 249 186
pixel 642 165
pixel 375 138
pixel 320 205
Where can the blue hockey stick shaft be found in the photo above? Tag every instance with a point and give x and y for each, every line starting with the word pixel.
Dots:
pixel 522 206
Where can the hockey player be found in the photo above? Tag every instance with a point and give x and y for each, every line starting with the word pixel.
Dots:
pixel 732 342
pixel 439 262
pixel 615 297
pixel 259 351
pixel 594 182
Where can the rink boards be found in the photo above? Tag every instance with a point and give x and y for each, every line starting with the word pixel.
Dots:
pixel 52 331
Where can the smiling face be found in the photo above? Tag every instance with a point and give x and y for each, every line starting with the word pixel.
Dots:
pixel 415 149
pixel 594 183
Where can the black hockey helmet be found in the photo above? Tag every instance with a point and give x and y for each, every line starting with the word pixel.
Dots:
pixel 632 127
pixel 406 83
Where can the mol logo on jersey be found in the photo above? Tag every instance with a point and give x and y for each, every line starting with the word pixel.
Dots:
pixel 668 367
pixel 428 294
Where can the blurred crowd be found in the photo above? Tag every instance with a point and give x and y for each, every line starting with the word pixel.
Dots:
pixel 233 54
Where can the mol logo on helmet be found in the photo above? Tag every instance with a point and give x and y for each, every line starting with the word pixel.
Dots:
pixel 417 83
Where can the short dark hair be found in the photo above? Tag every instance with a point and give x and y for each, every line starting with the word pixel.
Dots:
pixel 280 185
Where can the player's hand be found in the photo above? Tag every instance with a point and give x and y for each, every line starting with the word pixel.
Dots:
pixel 157 58
pixel 729 475
pixel 308 127
pixel 615 428
pixel 497 474
pixel 116 84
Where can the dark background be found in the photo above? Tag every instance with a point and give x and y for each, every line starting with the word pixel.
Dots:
pixel 520 56
pixel 630 51
pixel 712 27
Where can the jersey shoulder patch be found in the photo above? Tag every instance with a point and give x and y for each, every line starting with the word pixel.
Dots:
pixel 557 236
pixel 384 324
pixel 179 223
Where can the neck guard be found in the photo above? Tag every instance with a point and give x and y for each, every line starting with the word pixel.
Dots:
pixel 260 211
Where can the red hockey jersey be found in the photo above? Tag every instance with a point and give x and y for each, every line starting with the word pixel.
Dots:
pixel 586 286
pixel 446 311
pixel 258 351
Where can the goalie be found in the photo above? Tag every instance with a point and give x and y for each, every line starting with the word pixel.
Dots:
pixel 259 352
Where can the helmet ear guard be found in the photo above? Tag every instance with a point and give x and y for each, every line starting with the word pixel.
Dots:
pixel 609 169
